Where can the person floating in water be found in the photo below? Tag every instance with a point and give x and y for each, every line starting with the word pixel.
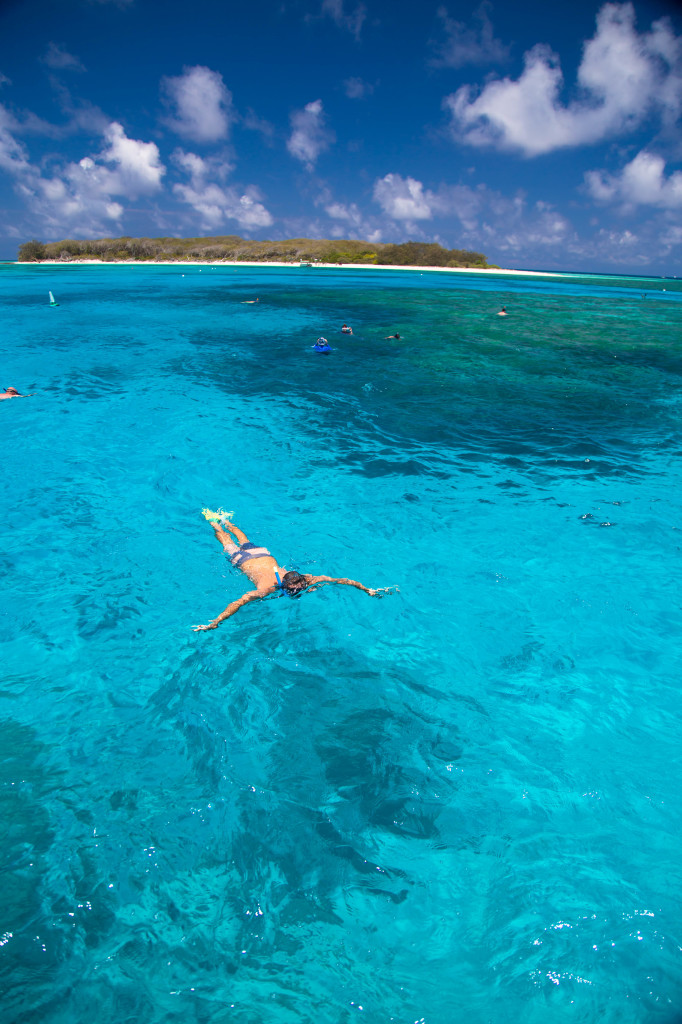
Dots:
pixel 322 345
pixel 503 311
pixel 262 569
pixel 12 393
pixel 396 336
pixel 249 302
pixel 346 329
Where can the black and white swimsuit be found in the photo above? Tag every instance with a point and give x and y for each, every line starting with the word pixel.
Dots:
pixel 246 551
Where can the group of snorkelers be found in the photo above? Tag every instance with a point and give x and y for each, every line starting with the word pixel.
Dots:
pixel 322 345
pixel 255 561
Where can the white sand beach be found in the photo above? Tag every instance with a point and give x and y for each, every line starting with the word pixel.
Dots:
pixel 495 271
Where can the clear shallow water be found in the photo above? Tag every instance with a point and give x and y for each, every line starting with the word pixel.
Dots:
pixel 462 799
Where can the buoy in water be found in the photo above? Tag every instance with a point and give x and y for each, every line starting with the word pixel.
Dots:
pixel 52 301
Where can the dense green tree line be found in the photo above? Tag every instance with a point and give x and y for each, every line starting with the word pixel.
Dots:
pixel 232 247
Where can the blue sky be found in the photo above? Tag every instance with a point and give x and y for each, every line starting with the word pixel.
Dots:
pixel 544 135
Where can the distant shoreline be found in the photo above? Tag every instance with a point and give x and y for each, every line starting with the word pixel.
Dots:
pixel 275 263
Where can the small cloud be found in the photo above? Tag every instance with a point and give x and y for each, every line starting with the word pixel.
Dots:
pixel 202 103
pixel 13 155
pixel 642 182
pixel 351 22
pixel 258 124
pixel 59 59
pixel 402 198
pixel 469 44
pixel 309 136
pixel 356 89
pixel 4 80
pixel 350 214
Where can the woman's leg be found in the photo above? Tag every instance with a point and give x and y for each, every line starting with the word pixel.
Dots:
pixel 228 544
pixel 241 537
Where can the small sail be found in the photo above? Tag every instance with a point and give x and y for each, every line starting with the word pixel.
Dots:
pixel 52 302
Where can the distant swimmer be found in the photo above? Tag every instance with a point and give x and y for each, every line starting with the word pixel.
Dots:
pixel 503 311
pixel 249 302
pixel 13 393
pixel 262 569
pixel 322 345
pixel 396 336
pixel 346 329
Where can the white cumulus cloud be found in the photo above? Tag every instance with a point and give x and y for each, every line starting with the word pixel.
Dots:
pixel 79 197
pixel 623 77
pixel 402 198
pixel 309 136
pixel 202 104
pixel 217 203
pixel 138 167
pixel 642 182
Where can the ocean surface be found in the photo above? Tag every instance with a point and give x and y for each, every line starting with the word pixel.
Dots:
pixel 461 802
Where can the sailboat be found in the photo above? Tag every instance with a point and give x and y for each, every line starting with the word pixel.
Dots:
pixel 52 301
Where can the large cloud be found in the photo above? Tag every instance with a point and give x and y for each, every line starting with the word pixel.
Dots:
pixel 309 136
pixel 202 104
pixel 79 197
pixel 486 217
pixel 215 202
pixel 623 76
pixel 642 182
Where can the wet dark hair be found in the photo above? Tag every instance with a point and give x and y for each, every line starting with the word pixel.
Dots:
pixel 294 582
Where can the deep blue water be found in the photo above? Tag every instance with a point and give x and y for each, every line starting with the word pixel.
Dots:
pixel 462 801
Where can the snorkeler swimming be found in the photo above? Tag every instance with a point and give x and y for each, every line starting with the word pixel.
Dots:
pixel 262 569
pixel 13 393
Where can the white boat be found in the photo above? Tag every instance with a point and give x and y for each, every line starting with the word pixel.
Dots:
pixel 52 300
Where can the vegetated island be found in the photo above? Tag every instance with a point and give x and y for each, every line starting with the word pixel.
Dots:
pixel 233 249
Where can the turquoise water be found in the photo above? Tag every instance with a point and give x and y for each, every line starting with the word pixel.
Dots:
pixel 462 801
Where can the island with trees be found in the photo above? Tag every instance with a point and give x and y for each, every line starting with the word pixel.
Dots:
pixel 233 249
